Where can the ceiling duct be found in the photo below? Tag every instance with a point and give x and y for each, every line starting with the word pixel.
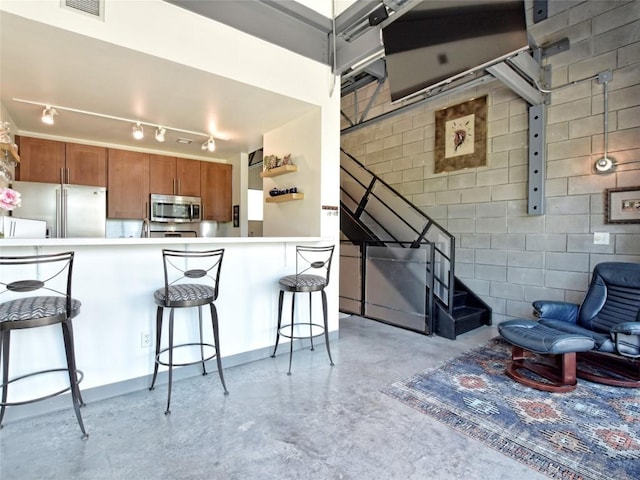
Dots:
pixel 94 8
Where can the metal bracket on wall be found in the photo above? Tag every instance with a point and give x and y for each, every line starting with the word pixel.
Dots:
pixel 540 10
pixel 537 122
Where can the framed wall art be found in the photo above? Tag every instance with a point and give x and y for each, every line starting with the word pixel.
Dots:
pixel 461 136
pixel 622 205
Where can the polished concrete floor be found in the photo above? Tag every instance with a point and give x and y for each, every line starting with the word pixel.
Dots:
pixel 321 422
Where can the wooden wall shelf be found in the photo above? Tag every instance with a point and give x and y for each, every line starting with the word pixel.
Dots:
pixel 274 172
pixel 8 148
pixel 287 197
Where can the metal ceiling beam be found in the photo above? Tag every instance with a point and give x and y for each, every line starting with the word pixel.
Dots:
pixel 515 82
pixel 285 23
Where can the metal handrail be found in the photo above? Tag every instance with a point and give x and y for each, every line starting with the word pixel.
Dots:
pixel 446 254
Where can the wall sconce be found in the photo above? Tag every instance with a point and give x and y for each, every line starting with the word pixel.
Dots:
pixel 47 115
pixel 138 132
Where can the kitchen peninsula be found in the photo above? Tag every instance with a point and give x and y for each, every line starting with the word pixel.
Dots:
pixel 114 278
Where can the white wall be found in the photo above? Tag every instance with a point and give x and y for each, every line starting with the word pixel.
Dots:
pixel 299 217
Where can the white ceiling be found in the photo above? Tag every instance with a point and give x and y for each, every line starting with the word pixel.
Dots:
pixel 45 64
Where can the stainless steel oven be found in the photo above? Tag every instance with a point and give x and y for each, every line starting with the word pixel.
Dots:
pixel 175 208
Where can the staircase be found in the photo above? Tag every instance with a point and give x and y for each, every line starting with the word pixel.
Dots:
pixel 396 263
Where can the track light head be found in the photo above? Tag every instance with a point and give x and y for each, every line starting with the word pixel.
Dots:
pixel 138 132
pixel 209 145
pixel 47 115
pixel 160 132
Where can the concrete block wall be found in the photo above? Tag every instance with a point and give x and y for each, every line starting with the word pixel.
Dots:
pixel 507 256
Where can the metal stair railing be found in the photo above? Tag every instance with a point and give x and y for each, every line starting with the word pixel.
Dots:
pixel 396 221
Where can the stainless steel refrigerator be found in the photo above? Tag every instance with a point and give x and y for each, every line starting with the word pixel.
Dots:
pixel 71 211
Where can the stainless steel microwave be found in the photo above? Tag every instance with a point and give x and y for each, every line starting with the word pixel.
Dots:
pixel 175 208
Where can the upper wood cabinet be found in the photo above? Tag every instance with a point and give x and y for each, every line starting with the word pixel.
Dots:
pixel 40 160
pixel 86 165
pixel 174 176
pixel 128 184
pixel 50 161
pixel 216 191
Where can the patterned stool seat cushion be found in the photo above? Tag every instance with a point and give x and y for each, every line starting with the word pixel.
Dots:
pixel 29 308
pixel 302 283
pixel 188 294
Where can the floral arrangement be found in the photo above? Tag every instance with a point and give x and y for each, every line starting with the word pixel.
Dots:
pixel 9 199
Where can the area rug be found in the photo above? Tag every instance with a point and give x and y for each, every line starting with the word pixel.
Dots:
pixel 592 432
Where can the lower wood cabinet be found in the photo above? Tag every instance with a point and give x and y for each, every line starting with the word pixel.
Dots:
pixel 216 191
pixel 128 184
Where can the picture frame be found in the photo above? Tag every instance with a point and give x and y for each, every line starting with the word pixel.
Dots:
pixel 461 136
pixel 622 205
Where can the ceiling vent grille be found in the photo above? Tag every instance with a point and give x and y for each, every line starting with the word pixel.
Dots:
pixel 94 8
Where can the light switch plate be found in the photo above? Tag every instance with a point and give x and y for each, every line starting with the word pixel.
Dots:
pixel 601 238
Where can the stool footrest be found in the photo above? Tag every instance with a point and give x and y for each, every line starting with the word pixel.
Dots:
pixel 285 330
pixel 194 362
pixel 79 375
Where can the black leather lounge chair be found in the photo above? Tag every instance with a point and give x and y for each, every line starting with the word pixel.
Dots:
pixel 598 340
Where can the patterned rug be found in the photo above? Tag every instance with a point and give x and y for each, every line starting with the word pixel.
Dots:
pixel 590 433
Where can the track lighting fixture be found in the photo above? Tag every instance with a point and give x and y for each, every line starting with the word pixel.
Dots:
pixel 47 115
pixel 138 132
pixel 50 111
pixel 160 131
pixel 209 145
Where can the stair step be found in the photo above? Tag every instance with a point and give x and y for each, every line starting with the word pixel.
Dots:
pixel 461 313
pixel 459 298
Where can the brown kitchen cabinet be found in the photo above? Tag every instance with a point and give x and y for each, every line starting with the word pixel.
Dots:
pixel 40 160
pixel 127 184
pixel 174 176
pixel 86 164
pixel 216 191
pixel 51 161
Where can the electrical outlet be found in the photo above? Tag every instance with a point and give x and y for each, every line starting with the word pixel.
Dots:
pixel 145 339
pixel 601 238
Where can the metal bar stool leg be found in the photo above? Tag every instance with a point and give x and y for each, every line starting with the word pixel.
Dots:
pixel 280 302
pixel 5 372
pixel 159 314
pixel 214 324
pixel 204 369
pixel 67 334
pixel 293 304
pixel 310 323
pixel 75 368
pixel 326 325
pixel 168 411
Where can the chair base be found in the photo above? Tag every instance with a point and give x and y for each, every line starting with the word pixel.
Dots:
pixel 558 378
pixel 171 348
pixel 616 371
pixel 320 329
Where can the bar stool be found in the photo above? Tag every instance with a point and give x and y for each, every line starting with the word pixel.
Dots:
pixel 308 259
pixel 22 310
pixel 191 279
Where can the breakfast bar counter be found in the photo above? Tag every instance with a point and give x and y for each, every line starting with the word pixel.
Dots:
pixel 114 278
